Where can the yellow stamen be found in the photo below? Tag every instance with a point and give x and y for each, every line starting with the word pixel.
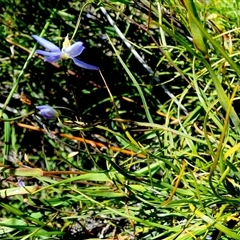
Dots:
pixel 66 42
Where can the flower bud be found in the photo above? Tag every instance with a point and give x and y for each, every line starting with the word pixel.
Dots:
pixel 48 112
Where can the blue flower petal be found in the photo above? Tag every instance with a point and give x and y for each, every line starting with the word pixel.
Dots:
pixel 48 112
pixel 53 58
pixel 45 53
pixel 41 107
pixel 75 49
pixel 20 183
pixel 47 44
pixel 84 65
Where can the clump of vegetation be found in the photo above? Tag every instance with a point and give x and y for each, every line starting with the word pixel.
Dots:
pixel 130 127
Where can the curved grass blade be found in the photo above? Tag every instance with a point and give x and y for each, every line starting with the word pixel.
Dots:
pixel 213 222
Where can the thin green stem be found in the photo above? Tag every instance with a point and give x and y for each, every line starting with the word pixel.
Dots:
pixel 25 65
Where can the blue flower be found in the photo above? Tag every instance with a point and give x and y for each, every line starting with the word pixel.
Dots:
pixel 48 112
pixel 20 183
pixel 54 53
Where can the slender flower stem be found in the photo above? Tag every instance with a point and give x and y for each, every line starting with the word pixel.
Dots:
pixel 79 19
